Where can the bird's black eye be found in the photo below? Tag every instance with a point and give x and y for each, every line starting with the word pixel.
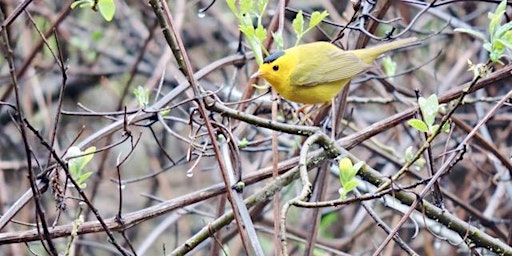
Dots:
pixel 275 67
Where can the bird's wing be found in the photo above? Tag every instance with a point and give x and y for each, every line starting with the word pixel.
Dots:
pixel 337 65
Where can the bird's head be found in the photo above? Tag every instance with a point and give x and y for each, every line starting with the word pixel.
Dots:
pixel 275 69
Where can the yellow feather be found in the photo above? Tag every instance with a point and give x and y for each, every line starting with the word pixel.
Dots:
pixel 315 72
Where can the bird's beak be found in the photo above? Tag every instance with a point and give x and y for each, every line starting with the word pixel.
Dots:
pixel 256 75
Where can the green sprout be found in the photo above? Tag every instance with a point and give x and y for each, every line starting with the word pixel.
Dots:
pixel 249 15
pixel 243 143
pixel 77 161
pixel 298 23
pixel 165 112
pixel 389 67
pixel 347 176
pixel 409 155
pixel 107 8
pixel 429 108
pixel 500 35
pixel 478 69
pixel 142 96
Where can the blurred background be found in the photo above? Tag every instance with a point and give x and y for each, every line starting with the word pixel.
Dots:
pixel 168 157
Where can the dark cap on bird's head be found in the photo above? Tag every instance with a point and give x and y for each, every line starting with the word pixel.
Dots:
pixel 273 56
pixel 263 71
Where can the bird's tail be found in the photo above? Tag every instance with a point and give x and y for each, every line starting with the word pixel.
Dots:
pixel 368 55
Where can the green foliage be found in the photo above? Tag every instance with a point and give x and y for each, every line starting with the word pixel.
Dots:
pixel 107 8
pixel 278 40
pixel 348 176
pixel 389 66
pixel 409 155
pixel 429 108
pixel 328 220
pixel 249 17
pixel 418 125
pixel 249 14
pixel 500 36
pixel 243 143
pixel 479 69
pixel 165 112
pixel 44 24
pixel 87 46
pixel 239 186
pixel 142 96
pixel 298 23
pixel 79 159
pixel 75 225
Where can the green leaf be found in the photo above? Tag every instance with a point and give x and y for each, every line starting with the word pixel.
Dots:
pixel 74 163
pixel 420 162
pixel 328 220
pixel 88 155
pixel 316 18
pixel 345 167
pixel 298 23
pixel 239 186
pixel 82 178
pixel 278 40
pixel 496 17
pixel 504 43
pixel 422 101
pixel 262 5
pixel 508 36
pixel 97 35
pixel 347 172
pixel 247 30
pixel 347 187
pixel 389 66
pixel 256 48
pixel 446 127
pixel 165 112
pixel 434 128
pixel 142 96
pixel 247 21
pixel 74 170
pixel 418 125
pixel 496 52
pixel 232 6
pixel 501 7
pixel 409 154
pixel 473 33
pixel 343 193
pixel 356 168
pixel 345 164
pixel 500 32
pixel 350 185
pixel 429 108
pixel 258 53
pixel 246 6
pixel 82 4
pixel 107 9
pixel 243 143
pixel 77 164
pixel 433 104
pixel 260 33
pixel 494 21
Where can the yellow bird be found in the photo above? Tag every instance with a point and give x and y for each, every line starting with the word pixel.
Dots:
pixel 315 72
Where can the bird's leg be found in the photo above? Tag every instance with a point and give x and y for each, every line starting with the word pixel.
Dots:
pixel 307 114
pixel 303 109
